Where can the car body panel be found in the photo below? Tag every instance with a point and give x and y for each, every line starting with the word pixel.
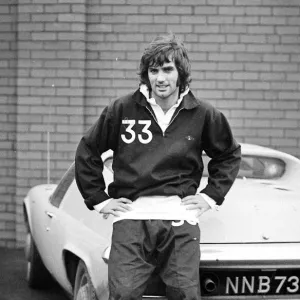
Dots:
pixel 259 219
pixel 259 237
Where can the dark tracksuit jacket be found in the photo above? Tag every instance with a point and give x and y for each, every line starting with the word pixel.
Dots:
pixel 148 162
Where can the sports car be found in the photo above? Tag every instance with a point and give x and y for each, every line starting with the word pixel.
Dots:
pixel 250 245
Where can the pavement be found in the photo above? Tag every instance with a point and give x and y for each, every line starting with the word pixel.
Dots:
pixel 13 285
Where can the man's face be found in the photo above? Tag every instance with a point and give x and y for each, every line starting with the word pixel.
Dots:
pixel 163 80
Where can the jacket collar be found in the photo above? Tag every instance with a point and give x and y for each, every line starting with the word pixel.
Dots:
pixel 188 102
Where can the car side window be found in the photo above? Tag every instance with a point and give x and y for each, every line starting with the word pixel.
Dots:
pixel 63 186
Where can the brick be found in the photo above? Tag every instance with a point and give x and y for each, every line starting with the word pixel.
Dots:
pixel 220 19
pixel 113 2
pixel 141 19
pixel 246 20
pixel 78 8
pixel 245 75
pixel 42 17
pixel 57 27
pixel 218 2
pixel 205 66
pixel 284 123
pixel 248 57
pixel 168 19
pixel 255 97
pixel 206 29
pixel 179 10
pixel 44 36
pixel 285 67
pixel 30 27
pixel 232 85
pixel 205 47
pixel 292 115
pixel 289 95
pixel 276 57
pixel 284 86
pixel 257 66
pixel 167 2
pixel 210 94
pixel 196 56
pixel 273 20
pixel 258 11
pixel 263 48
pixel 260 29
pixel 257 123
pixel 30 8
pixel 257 85
pixel 288 30
pixel 238 10
pixel 71 55
pixel 292 77
pixel 65 8
pixel 201 84
pixel 140 2
pixel 240 28
pixel 71 18
pixel 213 38
pixel 71 36
pixel 7 235
pixel 283 142
pixel 290 39
pixel 294 133
pixel 253 38
pixel 206 10
pixel 271 76
pixel 181 29
pixel 286 11
pixel 234 66
pixel 193 19
pixel 221 56
pixel 293 20
pixel 287 49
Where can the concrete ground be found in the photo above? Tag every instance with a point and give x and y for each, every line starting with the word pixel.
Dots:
pixel 13 285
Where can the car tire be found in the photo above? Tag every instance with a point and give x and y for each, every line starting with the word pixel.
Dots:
pixel 83 287
pixel 37 275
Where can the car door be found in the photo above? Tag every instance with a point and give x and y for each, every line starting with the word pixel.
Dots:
pixel 55 226
pixel 73 226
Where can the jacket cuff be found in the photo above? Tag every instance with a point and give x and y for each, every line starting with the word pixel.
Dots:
pixel 211 202
pixel 99 206
pixel 95 199
pixel 210 192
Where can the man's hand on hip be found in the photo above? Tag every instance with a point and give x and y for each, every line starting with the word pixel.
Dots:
pixel 196 202
pixel 116 205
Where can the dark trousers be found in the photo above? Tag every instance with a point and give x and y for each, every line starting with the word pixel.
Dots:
pixel 141 246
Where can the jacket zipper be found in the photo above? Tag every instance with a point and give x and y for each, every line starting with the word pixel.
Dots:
pixel 173 118
pixel 154 117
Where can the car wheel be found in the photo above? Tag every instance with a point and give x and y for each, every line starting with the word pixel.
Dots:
pixel 37 275
pixel 83 288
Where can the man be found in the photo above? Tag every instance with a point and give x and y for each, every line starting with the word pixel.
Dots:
pixel 157 134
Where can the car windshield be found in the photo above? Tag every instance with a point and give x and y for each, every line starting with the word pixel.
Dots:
pixel 257 167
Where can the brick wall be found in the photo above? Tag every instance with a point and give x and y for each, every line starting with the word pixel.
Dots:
pixel 75 56
pixel 245 59
pixel 8 64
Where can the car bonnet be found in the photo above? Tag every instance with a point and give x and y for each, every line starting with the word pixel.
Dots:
pixel 254 211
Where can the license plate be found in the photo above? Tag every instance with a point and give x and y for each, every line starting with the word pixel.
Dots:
pixel 250 282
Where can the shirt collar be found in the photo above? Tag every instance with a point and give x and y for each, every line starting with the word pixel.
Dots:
pixel 145 91
pixel 189 101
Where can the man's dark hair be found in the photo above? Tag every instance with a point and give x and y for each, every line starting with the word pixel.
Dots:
pixel 166 49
